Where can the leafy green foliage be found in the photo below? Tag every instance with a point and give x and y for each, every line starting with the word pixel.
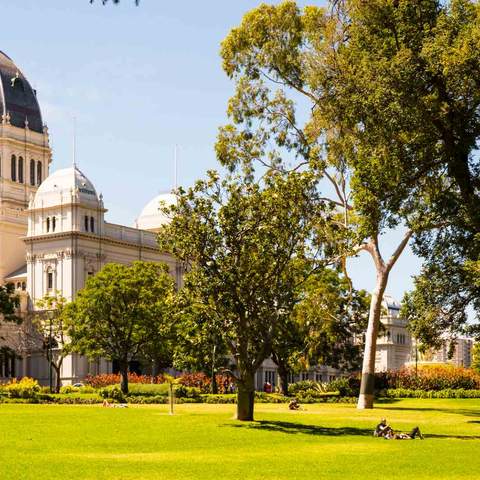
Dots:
pixel 245 248
pixel 121 310
pixel 26 388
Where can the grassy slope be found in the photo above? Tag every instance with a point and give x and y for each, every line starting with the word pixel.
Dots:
pixel 203 442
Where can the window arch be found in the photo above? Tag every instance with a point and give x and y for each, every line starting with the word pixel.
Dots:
pixel 13 168
pixel 39 172
pixel 32 172
pixel 24 286
pixel 49 279
pixel 48 224
pixel 20 169
pixel 86 223
pixel 92 224
pixel 54 221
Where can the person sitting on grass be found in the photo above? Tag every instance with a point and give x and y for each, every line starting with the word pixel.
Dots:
pixel 294 405
pixel 382 428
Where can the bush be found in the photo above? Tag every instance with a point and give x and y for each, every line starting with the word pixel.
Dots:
pixel 112 393
pixel 27 388
pixel 181 391
pixel 105 380
pixel 69 389
pixel 430 377
pixel 204 382
pixel 446 393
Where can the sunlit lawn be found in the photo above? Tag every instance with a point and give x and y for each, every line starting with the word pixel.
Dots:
pixel 204 442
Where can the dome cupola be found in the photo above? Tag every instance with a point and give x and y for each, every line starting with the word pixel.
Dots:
pixel 152 216
pixel 18 100
pixel 63 185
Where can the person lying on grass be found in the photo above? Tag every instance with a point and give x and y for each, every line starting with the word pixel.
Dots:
pixel 384 430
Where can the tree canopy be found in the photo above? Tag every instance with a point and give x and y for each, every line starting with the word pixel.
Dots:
pixel 390 117
pixel 245 248
pixel 120 311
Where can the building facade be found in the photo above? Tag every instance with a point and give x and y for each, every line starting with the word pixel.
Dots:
pixel 53 232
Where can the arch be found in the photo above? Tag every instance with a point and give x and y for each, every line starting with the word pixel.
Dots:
pixel 86 223
pixel 24 286
pixel 39 172
pixel 48 224
pixel 49 278
pixel 54 222
pixel 13 168
pixel 32 172
pixel 92 224
pixel 20 169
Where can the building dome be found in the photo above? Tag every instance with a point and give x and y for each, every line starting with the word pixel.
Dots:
pixel 18 100
pixel 61 185
pixel 152 217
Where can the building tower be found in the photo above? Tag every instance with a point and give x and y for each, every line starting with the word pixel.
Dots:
pixel 25 156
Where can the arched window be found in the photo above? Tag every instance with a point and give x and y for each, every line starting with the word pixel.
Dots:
pixel 54 221
pixel 39 173
pixel 13 168
pixel 92 224
pixel 32 172
pixel 20 169
pixel 86 223
pixel 49 279
pixel 18 285
pixel 48 224
pixel 24 286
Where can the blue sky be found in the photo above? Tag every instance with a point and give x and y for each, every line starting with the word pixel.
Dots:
pixel 138 81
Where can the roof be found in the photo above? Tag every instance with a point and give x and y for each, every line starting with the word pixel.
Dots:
pixel 17 97
pixel 19 273
pixel 59 187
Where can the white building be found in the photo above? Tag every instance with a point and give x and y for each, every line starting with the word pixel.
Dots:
pixel 395 343
pixel 53 232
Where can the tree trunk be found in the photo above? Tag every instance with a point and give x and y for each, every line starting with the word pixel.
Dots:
pixel 283 379
pixel 246 396
pixel 124 376
pixel 58 379
pixel 214 384
pixel 367 386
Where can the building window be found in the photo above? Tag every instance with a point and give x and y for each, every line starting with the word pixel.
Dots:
pixel 48 224
pixel 14 168
pixel 54 222
pixel 39 173
pixel 18 285
pixel 24 286
pixel 49 279
pixel 86 223
pixel 92 224
pixel 20 169
pixel 32 172
pixel 305 376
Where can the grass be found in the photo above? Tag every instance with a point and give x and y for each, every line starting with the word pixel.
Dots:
pixel 325 441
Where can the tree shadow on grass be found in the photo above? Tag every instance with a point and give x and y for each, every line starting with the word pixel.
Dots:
pixel 295 428
pixel 457 411
pixel 301 428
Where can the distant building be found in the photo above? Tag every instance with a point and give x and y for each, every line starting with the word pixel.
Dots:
pixel 394 344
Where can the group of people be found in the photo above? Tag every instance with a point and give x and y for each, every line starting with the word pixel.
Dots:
pixel 385 431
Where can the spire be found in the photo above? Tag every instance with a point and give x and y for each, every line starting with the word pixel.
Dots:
pixel 74 143
pixel 175 168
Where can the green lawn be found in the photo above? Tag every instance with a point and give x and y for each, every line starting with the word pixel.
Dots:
pixel 203 442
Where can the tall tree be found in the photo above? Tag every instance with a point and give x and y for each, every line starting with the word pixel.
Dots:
pixel 240 243
pixel 324 327
pixel 392 117
pixel 121 310
pixel 48 322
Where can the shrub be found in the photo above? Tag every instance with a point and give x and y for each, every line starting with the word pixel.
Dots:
pixel 431 377
pixel 25 388
pixel 69 389
pixel 181 391
pixel 113 393
pixel 446 393
pixel 148 390
pixel 104 380
pixel 203 382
